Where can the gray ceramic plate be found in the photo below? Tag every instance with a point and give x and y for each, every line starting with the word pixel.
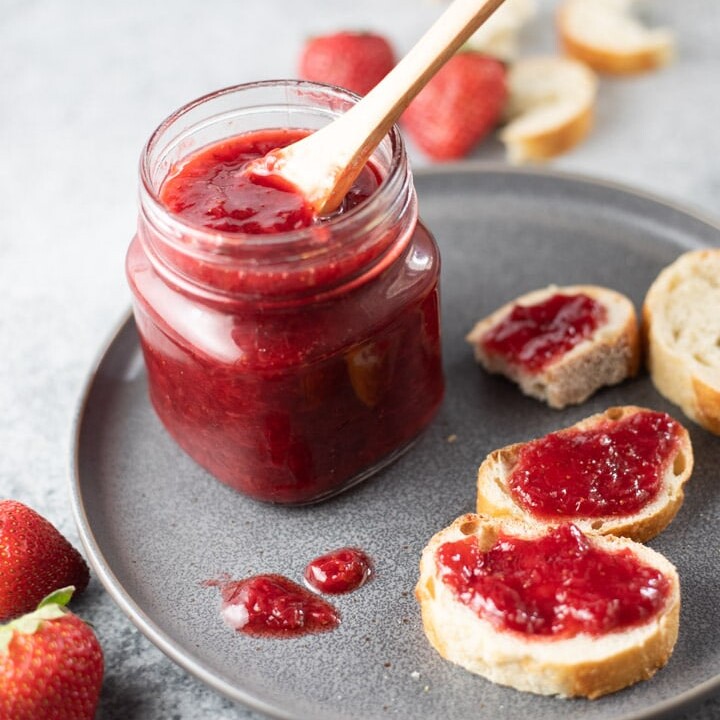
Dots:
pixel 155 526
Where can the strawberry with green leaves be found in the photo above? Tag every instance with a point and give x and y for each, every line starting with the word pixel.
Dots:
pixel 51 664
pixel 460 105
pixel 354 60
pixel 35 559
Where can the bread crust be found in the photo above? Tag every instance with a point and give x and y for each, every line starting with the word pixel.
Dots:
pixel 581 666
pixel 498 35
pixel 615 63
pixel 550 108
pixel 681 334
pixel 495 499
pixel 610 356
pixel 548 143
pixel 650 49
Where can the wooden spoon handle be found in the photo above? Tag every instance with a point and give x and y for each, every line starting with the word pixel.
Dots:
pixel 325 164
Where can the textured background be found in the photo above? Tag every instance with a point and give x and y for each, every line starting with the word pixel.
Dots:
pixel 84 83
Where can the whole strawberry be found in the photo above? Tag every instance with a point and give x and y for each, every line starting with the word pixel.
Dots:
pixel 354 60
pixel 35 559
pixel 458 107
pixel 51 664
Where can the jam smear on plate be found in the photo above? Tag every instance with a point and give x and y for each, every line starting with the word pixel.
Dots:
pixel 556 586
pixel 533 336
pixel 615 468
pixel 340 571
pixel 274 606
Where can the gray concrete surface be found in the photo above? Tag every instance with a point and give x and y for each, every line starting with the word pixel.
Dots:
pixel 82 85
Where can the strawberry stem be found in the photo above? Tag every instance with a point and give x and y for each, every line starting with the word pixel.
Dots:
pixel 50 608
pixel 58 597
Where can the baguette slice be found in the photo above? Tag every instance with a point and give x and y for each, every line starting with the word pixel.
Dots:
pixel 609 356
pixel 550 108
pixel 681 330
pixel 582 665
pixel 606 35
pixel 494 497
pixel 498 35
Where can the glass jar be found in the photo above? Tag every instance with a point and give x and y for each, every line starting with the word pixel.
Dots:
pixel 290 365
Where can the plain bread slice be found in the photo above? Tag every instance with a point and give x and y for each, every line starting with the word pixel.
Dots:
pixel 681 331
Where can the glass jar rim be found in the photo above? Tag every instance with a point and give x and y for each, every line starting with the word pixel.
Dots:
pixel 219 242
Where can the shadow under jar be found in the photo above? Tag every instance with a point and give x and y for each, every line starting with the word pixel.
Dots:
pixel 292 364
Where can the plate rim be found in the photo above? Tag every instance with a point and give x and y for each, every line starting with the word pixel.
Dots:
pixel 171 648
pixel 489 167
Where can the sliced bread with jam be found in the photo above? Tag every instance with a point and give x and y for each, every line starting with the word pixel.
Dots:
pixel 561 344
pixel 619 472
pixel 549 610
pixel 681 332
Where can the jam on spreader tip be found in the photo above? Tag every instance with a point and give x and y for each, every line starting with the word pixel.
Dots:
pixel 215 190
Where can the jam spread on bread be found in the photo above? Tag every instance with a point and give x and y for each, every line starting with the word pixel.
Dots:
pixel 273 606
pixel 533 336
pixel 555 586
pixel 614 468
pixel 340 571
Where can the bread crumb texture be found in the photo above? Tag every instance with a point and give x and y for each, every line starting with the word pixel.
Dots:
pixel 681 318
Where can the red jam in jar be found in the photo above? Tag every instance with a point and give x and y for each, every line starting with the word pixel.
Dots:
pixel 340 571
pixel 273 606
pixel 555 586
pixel 291 356
pixel 533 336
pixel 615 468
pixel 214 188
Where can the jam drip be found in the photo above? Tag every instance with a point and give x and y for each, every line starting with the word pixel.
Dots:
pixel 533 336
pixel 615 468
pixel 273 606
pixel 556 586
pixel 215 189
pixel 340 571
